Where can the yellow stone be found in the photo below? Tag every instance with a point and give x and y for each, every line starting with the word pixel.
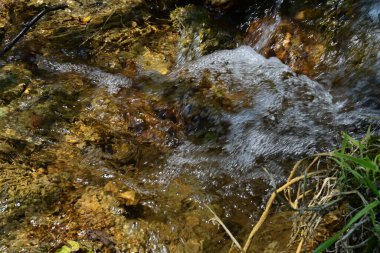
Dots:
pixel 10 132
pixel 286 42
pixel 86 19
pixel 130 197
pixel 300 15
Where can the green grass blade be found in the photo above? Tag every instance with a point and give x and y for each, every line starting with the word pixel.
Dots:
pixel 344 143
pixel 347 167
pixel 351 140
pixel 363 180
pixel 377 159
pixel 360 161
pixel 372 186
pixel 354 219
pixel 358 172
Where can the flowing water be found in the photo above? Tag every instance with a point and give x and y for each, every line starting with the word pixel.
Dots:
pixel 79 140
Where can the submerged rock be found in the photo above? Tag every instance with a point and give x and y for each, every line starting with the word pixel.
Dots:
pixel 297 48
pixel 63 134
pixel 14 82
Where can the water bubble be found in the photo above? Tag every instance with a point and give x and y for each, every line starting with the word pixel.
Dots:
pixel 33 222
pixel 108 176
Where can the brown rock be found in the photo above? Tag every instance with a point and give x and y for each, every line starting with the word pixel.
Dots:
pixel 297 47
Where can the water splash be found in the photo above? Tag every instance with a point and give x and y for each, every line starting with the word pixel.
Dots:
pixel 289 116
pixel 113 82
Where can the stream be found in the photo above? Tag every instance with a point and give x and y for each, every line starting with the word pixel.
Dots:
pixel 121 121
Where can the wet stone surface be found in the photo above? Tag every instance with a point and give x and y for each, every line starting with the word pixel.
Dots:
pixel 334 42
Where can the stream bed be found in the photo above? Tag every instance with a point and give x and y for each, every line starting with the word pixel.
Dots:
pixel 121 120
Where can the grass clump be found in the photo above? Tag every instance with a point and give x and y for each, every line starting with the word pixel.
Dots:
pixel 358 173
pixel 343 186
pixel 348 192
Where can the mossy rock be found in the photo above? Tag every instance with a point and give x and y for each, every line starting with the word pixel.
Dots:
pixel 201 33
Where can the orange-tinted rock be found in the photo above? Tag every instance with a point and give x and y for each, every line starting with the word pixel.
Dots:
pixel 297 47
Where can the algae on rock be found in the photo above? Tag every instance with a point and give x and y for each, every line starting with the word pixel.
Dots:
pixel 200 33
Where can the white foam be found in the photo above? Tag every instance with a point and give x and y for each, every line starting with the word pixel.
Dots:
pixel 113 82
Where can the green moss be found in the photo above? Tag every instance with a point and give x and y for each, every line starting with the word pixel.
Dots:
pixel 200 32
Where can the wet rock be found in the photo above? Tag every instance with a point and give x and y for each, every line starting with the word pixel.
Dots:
pixel 62 133
pixel 294 46
pixel 14 81
pixel 332 42
pixel 200 33
pixel 119 34
pixel 97 220
pixel 25 192
pixel 219 2
pixel 129 197
pixel 226 4
pixel 102 30
pixel 136 43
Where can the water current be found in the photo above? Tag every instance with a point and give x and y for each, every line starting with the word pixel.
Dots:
pixel 278 116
